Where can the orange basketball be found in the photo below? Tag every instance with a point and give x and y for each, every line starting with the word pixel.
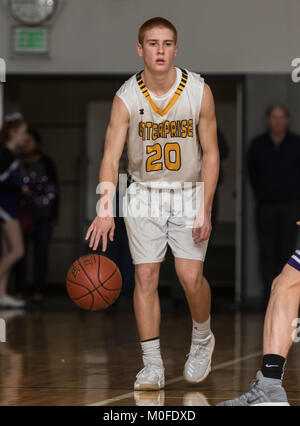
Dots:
pixel 94 282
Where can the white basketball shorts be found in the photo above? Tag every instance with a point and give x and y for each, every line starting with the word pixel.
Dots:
pixel 157 217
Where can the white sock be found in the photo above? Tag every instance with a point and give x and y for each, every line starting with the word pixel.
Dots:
pixel 151 352
pixel 201 330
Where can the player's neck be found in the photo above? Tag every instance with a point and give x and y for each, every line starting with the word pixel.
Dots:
pixel 159 83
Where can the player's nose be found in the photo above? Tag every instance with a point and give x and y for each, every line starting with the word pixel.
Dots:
pixel 161 48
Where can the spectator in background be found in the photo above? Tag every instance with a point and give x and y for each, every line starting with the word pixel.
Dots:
pixel 39 212
pixel 12 136
pixel 274 170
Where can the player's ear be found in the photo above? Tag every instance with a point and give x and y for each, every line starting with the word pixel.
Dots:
pixel 139 49
pixel 176 50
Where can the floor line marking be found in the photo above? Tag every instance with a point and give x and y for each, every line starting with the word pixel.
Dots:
pixel 176 379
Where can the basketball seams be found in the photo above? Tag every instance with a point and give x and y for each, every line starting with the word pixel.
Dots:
pixel 110 289
pixel 92 291
pixel 95 288
pixel 107 279
pixel 89 293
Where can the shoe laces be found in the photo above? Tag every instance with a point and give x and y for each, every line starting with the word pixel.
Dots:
pixel 200 349
pixel 151 370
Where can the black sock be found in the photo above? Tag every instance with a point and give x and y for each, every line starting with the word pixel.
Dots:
pixel 148 340
pixel 273 366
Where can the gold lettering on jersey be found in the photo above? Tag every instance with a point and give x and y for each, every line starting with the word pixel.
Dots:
pixel 175 129
pixel 149 128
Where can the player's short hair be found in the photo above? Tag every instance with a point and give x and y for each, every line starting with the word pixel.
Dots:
pixel 271 108
pixel 156 22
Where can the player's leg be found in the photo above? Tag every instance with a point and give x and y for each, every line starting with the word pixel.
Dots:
pixel 11 233
pixel 148 244
pixel 147 313
pixel 146 300
pixel 197 291
pixel 278 337
pixel 195 286
pixel 282 311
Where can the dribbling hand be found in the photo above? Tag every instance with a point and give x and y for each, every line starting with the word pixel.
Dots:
pixel 100 227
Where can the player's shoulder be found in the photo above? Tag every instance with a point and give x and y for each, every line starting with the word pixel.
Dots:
pixel 127 86
pixel 194 77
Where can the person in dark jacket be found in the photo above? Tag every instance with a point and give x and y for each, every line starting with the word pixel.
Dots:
pixel 274 171
pixel 12 136
pixel 39 212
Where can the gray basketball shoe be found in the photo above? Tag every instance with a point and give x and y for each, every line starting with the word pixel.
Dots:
pixel 263 392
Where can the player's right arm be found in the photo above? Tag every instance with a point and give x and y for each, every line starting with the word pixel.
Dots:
pixel 115 138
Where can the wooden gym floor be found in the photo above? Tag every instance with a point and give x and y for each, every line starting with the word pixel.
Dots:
pixel 73 357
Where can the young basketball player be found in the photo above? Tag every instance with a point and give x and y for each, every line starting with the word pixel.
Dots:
pixel 169 116
pixel 278 338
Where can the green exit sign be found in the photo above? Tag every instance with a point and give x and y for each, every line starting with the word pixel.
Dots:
pixel 31 40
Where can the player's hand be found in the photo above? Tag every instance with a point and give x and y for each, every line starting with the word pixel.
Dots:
pixel 100 227
pixel 298 223
pixel 201 227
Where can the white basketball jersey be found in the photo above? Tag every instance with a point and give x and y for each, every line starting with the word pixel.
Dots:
pixel 162 141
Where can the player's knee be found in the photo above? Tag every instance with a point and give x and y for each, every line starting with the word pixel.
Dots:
pixel 279 285
pixel 190 281
pixel 147 279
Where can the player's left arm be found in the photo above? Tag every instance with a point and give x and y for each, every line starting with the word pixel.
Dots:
pixel 207 130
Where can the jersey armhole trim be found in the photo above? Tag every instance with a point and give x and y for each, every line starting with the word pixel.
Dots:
pixel 201 97
pixel 125 102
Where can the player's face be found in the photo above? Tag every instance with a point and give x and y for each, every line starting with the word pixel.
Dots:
pixel 278 121
pixel 158 49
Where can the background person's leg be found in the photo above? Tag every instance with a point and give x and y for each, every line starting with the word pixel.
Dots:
pixel 267 222
pixel 11 231
pixel 288 232
pixel 20 268
pixel 42 237
pixel 4 251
